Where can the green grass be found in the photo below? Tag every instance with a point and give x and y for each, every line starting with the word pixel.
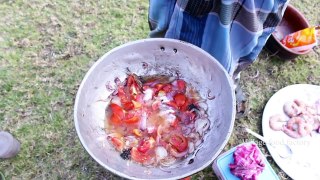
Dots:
pixel 48 46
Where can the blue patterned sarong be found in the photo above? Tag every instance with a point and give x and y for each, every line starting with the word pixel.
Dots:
pixel 232 31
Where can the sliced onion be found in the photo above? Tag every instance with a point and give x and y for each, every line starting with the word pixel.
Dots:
pixel 194 135
pixel 147 94
pixel 161 153
pixel 198 142
pixel 166 112
pixel 149 162
pixel 159 131
pixel 117 135
pixel 203 105
pixel 116 100
pixel 177 154
pixel 202 125
pixel 131 141
pixel 317 106
pixel 143 121
pixel 151 129
pixel 168 161
pixel 191 147
pixel 170 95
pixel 186 130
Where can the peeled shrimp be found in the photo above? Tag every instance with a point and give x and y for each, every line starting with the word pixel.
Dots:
pixel 291 133
pixel 293 108
pixel 276 122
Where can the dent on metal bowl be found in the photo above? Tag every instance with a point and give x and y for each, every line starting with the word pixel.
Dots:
pixel 146 57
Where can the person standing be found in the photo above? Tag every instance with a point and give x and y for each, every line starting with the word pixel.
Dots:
pixel 232 31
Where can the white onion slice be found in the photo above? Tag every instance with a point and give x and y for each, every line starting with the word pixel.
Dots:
pixel 143 121
pixel 161 153
pixel 116 100
pixel 147 94
pixel 168 161
pixel 191 147
pixel 202 125
pixel 177 154
pixel 151 129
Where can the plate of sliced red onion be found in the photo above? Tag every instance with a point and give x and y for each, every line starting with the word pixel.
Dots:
pixel 292 117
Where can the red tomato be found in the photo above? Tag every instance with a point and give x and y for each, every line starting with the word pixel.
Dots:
pixel 186 178
pixel 138 156
pixel 145 145
pixel 115 119
pixel 167 88
pixel 131 120
pixel 172 104
pixel 132 85
pixel 128 106
pixel 117 143
pixel 181 85
pixel 175 122
pixel 117 110
pixel 184 107
pixel 155 105
pixel 179 142
pixel 180 99
pixel 122 94
pixel 158 87
pixel 130 80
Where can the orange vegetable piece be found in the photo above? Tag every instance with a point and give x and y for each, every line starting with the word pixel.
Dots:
pixel 137 132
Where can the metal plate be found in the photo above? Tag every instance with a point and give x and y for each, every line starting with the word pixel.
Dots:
pixel 147 57
pixel 303 164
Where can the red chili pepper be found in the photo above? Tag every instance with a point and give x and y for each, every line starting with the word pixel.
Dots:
pixel 179 142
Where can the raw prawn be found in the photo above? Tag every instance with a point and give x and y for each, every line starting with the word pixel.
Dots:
pixel 293 108
pixel 297 127
pixel 298 107
pixel 276 122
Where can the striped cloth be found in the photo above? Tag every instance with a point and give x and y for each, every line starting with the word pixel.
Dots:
pixel 232 31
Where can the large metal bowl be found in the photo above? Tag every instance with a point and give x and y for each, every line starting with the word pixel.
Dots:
pixel 145 57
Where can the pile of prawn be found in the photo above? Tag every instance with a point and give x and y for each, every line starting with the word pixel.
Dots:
pixel 301 119
pixel 155 120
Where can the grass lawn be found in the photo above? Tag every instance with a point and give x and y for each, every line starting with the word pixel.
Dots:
pixel 46 47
